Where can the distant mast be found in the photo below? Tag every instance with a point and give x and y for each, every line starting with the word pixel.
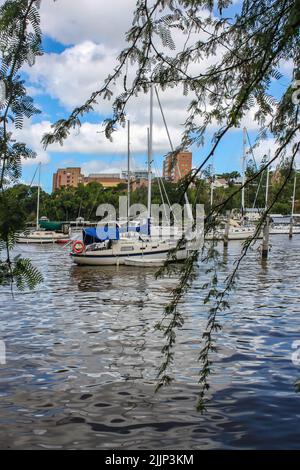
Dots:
pixel 244 170
pixel 128 173
pixel 268 181
pixel 38 200
pixel 150 155
pixel 211 193
pixel 212 184
pixel 188 206
pixel 294 194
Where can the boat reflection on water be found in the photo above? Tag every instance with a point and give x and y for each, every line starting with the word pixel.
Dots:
pixel 83 356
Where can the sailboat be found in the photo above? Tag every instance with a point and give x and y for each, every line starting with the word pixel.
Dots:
pixel 237 231
pixel 39 236
pixel 130 244
pixel 284 229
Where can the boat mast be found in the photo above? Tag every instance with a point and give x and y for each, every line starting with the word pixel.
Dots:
pixel 150 155
pixel 211 194
pixel 212 185
pixel 187 202
pixel 267 184
pixel 244 170
pixel 38 200
pixel 128 174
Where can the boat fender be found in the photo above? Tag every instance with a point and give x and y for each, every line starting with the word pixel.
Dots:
pixel 78 247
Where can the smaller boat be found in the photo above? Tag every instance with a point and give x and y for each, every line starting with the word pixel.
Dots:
pixel 235 233
pixel 40 237
pixel 141 262
pixel 283 229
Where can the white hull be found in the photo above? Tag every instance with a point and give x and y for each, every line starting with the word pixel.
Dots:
pixel 234 234
pixel 87 259
pixel 284 231
pixel 115 256
pixel 242 235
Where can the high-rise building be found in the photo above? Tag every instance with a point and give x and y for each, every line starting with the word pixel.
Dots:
pixel 175 168
pixel 67 177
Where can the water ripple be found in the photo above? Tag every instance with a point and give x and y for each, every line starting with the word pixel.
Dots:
pixel 82 359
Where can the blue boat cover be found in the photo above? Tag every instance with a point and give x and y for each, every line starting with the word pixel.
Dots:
pixel 100 234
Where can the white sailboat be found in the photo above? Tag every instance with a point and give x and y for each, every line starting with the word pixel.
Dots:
pixel 237 231
pixel 243 231
pixel 285 229
pixel 118 252
pixel 133 248
pixel 38 236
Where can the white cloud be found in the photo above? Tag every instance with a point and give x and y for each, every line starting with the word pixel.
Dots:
pixel 74 74
pixel 98 166
pixel 287 68
pixel 90 139
pixel 31 136
pixel 72 22
pixel 95 29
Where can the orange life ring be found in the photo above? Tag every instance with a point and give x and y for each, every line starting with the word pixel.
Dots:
pixel 78 247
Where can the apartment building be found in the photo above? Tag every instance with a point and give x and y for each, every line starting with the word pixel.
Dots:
pixel 67 177
pixel 175 168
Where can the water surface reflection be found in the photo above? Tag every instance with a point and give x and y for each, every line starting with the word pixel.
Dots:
pixel 82 358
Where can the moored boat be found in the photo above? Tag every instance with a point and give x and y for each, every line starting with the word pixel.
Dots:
pixel 283 230
pixel 40 237
pixel 116 252
pixel 235 233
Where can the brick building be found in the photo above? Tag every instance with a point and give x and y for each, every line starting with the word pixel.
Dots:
pixel 175 168
pixel 108 180
pixel 67 177
pixel 72 177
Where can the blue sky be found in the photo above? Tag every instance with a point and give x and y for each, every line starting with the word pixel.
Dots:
pixel 81 47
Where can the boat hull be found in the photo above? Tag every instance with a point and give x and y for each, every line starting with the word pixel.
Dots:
pixel 40 238
pixel 116 259
pixel 233 235
pixel 286 231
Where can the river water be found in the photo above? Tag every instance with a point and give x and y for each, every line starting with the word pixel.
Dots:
pixel 82 357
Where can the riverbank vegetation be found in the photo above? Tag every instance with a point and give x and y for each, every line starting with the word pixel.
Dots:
pixel 68 203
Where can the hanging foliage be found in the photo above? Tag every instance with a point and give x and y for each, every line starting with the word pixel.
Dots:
pixel 20 44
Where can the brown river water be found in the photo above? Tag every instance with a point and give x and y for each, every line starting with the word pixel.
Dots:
pixel 82 357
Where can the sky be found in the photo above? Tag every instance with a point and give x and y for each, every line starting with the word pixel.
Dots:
pixel 82 40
